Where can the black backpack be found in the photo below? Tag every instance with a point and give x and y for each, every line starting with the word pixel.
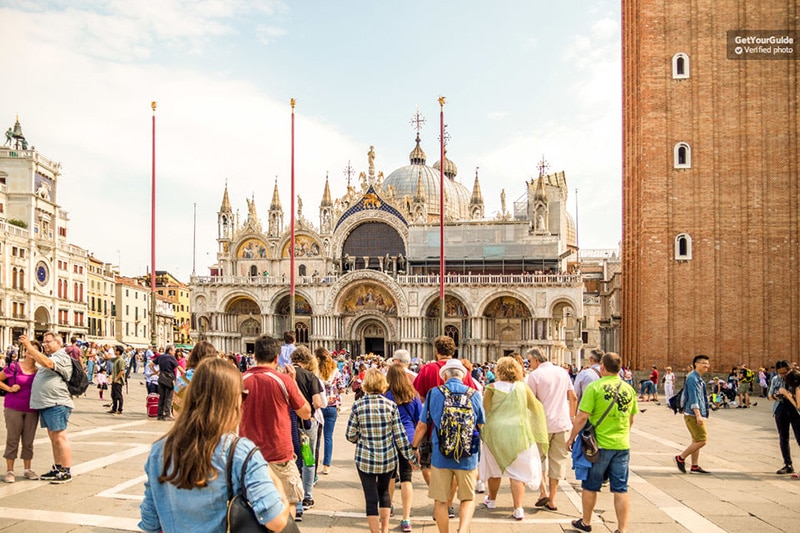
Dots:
pixel 78 381
pixel 677 402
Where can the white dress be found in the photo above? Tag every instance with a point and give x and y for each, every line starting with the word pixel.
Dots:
pixel 527 466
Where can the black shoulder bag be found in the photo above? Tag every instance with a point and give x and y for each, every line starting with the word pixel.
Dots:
pixel 240 516
pixel 589 436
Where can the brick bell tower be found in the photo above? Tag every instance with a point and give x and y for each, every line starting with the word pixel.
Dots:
pixel 710 184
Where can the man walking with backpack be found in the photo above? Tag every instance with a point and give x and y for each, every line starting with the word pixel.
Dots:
pixel 455 411
pixel 695 414
pixel 50 395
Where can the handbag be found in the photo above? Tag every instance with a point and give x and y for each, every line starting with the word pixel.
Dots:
pixel 589 436
pixel 240 516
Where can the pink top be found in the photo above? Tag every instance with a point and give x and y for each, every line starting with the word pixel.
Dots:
pixel 550 384
pixel 20 400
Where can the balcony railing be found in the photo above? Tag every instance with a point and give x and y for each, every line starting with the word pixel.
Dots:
pixel 541 280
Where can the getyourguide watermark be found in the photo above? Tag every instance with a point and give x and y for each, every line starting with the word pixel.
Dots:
pixel 763 44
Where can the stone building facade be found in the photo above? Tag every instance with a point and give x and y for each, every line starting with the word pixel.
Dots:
pixel 43 278
pixel 368 269
pixel 711 230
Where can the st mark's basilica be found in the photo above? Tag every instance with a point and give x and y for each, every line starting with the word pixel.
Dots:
pixel 367 269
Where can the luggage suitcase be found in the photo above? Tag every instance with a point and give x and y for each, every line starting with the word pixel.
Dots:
pixel 152 404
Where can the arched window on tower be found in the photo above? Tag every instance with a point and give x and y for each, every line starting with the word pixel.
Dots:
pixel 682 154
pixel 301 270
pixel 683 247
pixel 253 271
pixel 680 66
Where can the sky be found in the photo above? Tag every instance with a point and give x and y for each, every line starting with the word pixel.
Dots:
pixel 522 80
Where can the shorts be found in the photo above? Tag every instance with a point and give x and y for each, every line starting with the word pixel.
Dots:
pixel 54 418
pixel 403 472
pixel 442 484
pixel 290 479
pixel 612 464
pixel 425 451
pixel 698 433
pixel 745 388
pixel 557 456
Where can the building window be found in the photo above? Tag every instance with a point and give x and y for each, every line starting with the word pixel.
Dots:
pixel 301 270
pixel 253 273
pixel 301 332
pixel 680 66
pixel 682 154
pixel 683 247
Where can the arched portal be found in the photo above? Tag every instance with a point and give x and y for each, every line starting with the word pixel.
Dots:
pixel 506 315
pixel 372 240
pixel 370 335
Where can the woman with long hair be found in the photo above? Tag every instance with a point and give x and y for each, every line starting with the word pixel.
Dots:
pixel 332 380
pixel 375 428
pixel 202 350
pixel 402 393
pixel 186 488
pixel 515 425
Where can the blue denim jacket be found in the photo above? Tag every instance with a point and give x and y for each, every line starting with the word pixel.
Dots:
pixel 170 509
pixel 696 395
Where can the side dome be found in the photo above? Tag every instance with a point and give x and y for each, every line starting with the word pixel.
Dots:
pixel 572 232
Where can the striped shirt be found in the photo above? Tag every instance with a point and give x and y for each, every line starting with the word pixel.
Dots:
pixel 375 428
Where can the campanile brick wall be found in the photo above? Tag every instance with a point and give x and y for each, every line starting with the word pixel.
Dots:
pixel 738 298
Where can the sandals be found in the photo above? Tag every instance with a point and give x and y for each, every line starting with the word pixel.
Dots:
pixel 541 502
pixel 550 507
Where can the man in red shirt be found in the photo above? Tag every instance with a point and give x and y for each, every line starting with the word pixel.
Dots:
pixel 269 395
pixel 654 379
pixel 74 351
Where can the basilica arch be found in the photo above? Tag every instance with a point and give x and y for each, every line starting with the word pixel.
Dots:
pixel 303 311
pixel 371 332
pixel 508 320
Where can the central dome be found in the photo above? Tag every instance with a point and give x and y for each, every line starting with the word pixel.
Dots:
pixel 406 179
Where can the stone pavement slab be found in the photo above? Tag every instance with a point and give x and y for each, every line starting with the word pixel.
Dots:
pixel 741 495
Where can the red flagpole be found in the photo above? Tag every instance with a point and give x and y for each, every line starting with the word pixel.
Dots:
pixel 291 229
pixel 441 214
pixel 153 335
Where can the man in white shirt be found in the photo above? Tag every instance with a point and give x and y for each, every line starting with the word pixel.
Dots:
pixel 587 375
pixel 552 386
pixel 403 358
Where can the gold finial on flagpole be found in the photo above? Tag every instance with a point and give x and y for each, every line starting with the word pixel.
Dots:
pixel 293 101
pixel 441 101
pixel 153 105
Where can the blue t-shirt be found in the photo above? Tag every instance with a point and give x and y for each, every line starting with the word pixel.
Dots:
pixel 409 414
pixel 433 412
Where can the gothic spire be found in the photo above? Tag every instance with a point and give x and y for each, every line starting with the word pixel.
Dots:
pixel 326 195
pixel 276 199
pixel 477 196
pixel 226 201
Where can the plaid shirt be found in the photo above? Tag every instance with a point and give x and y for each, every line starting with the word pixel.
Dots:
pixel 378 434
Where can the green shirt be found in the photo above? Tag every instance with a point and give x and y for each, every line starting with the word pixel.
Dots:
pixel 614 432
pixel 119 367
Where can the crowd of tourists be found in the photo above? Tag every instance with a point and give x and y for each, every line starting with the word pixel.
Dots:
pixel 261 426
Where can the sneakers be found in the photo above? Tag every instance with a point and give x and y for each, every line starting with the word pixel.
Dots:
pixel 51 475
pixel 30 474
pixel 451 512
pixel 519 514
pixel 681 463
pixel 490 504
pixel 480 487
pixel 299 516
pixel 62 477
pixel 578 524
pixel 326 470
pixel 308 503
pixel 697 469
pixel 10 477
pixel 405 525
pixel 788 469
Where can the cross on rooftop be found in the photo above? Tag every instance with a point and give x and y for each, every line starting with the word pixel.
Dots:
pixel 417 121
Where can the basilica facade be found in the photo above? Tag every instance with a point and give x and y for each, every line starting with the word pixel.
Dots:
pixel 367 269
